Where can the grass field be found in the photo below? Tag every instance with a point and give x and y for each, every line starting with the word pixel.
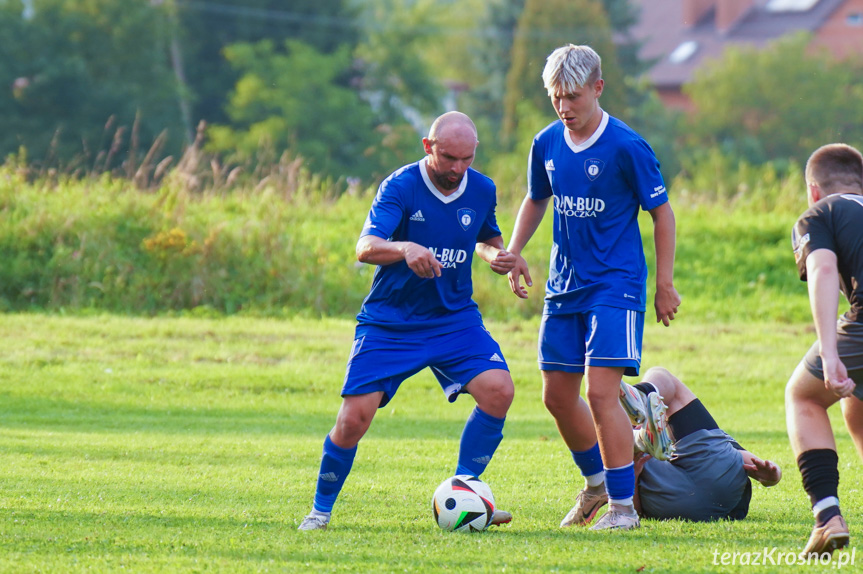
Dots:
pixel 191 445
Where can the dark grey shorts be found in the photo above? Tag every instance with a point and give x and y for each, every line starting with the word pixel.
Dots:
pixel 849 342
pixel 704 481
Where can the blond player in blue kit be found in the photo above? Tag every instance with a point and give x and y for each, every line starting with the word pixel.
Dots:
pixel 423 227
pixel 597 173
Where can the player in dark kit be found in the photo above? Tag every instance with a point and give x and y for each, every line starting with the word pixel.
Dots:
pixel 828 247
pixel 707 476
pixel 424 225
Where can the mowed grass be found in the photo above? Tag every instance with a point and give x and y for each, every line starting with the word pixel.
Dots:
pixel 191 445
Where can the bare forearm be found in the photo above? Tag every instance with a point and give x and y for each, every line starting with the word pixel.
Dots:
pixel 377 251
pixel 823 280
pixel 666 300
pixel 664 238
pixel 489 249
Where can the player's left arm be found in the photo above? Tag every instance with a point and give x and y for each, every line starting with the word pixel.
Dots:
pixel 764 471
pixel 823 280
pixel 666 300
pixel 493 252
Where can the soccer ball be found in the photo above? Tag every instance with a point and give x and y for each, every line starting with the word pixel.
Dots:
pixel 463 503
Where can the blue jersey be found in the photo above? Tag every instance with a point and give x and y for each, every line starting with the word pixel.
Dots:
pixel 597 187
pixel 408 207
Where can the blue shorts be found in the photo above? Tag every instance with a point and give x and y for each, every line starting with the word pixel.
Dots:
pixel 382 363
pixel 601 337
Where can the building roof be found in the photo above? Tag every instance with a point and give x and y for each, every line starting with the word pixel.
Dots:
pixel 662 29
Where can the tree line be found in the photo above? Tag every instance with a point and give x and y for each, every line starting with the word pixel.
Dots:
pixel 349 86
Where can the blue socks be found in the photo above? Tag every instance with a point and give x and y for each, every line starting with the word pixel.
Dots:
pixel 620 484
pixel 480 438
pixel 589 462
pixel 336 463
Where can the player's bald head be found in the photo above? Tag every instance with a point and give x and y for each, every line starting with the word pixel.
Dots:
pixel 453 126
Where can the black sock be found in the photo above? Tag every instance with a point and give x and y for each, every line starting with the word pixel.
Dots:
pixel 819 469
pixel 646 387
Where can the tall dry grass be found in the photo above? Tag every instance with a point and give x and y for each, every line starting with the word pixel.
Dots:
pixel 201 236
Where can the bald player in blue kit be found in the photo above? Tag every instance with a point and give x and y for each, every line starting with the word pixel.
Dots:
pixel 424 225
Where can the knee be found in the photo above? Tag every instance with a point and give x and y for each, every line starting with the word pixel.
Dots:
pixel 497 397
pixel 350 428
pixel 600 398
pixel 558 404
pixel 656 373
pixel 504 395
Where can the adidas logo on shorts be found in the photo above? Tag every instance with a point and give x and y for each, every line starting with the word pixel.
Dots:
pixel 496 358
pixel 418 216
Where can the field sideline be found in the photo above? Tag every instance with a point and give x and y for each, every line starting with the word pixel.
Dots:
pixel 191 445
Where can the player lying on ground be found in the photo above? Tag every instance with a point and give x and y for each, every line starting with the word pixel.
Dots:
pixel 686 466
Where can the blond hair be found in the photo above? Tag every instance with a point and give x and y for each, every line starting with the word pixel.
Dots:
pixel 570 67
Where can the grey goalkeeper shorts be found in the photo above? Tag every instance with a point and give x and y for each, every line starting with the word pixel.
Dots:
pixel 705 480
pixel 849 343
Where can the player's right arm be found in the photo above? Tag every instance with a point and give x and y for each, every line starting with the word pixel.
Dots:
pixel 823 279
pixel 385 216
pixel 378 251
pixel 529 217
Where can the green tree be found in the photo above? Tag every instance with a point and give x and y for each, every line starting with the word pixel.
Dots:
pixel 207 28
pixel 777 103
pixel 658 124
pixel 381 78
pixel 301 100
pixel 398 76
pixel 72 65
pixel 548 24
pixel 623 15
pixel 484 100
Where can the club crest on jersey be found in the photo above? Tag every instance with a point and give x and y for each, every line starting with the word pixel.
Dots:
pixel 593 168
pixel 466 217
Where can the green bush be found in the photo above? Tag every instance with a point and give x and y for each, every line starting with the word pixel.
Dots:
pixel 72 245
pixel 106 245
